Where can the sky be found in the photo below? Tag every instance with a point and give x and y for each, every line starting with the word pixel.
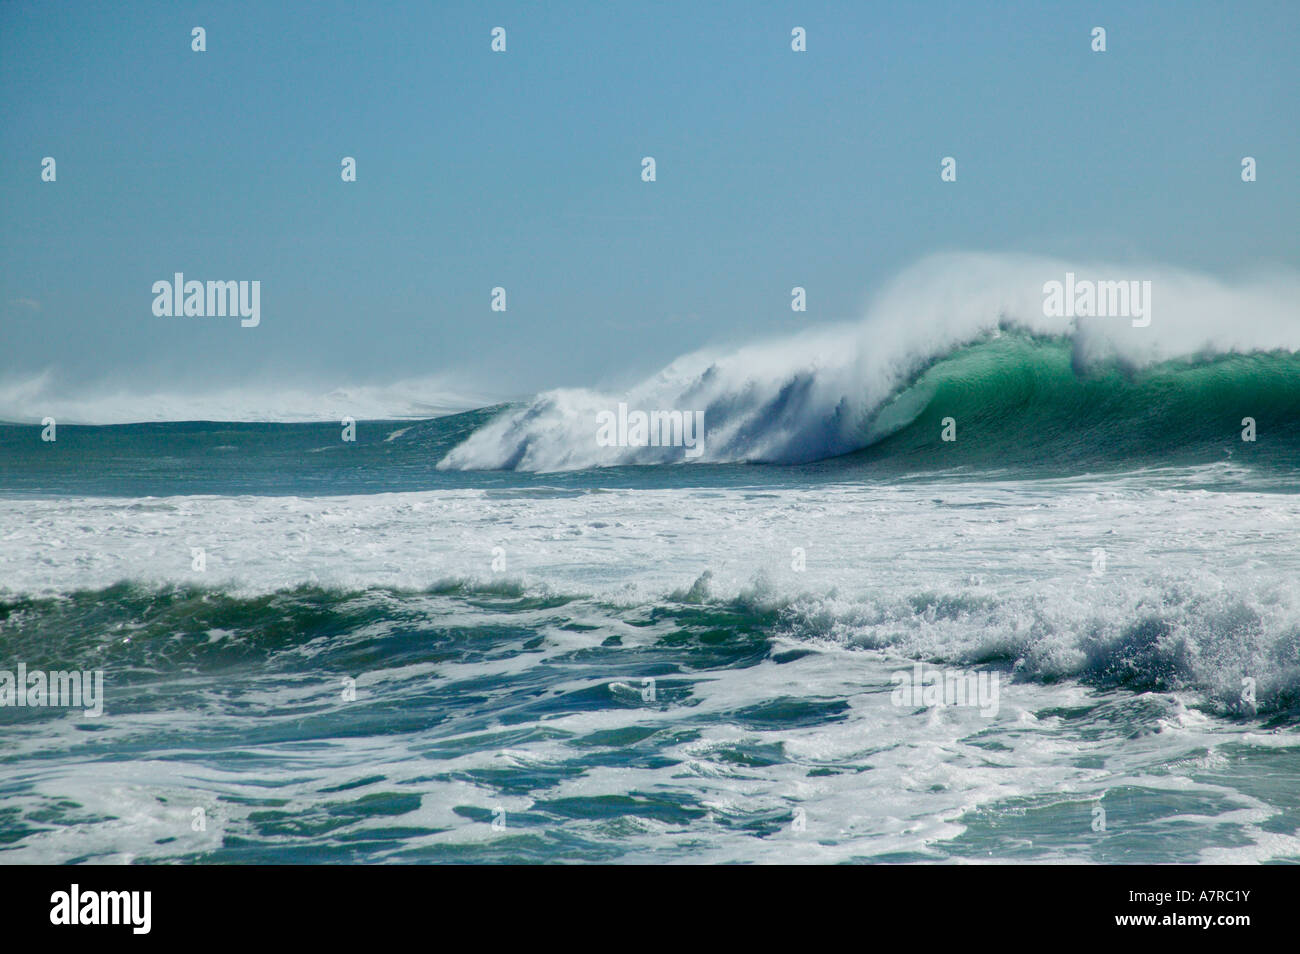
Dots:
pixel 522 169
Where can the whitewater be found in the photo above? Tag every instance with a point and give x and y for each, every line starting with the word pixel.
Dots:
pixel 485 637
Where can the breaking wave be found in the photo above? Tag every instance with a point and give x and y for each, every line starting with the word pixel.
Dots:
pixel 1160 636
pixel 962 337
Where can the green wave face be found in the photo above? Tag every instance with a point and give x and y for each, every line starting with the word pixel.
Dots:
pixel 1019 401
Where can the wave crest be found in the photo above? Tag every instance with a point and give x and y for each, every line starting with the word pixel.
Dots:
pixel 830 391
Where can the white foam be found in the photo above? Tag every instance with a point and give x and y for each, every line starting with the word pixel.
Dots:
pixel 900 780
pixel 1008 566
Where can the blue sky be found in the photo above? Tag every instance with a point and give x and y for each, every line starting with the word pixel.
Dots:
pixel 522 170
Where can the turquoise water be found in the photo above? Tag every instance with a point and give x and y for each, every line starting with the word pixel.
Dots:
pixel 381 660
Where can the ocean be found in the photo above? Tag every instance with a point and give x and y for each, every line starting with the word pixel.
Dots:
pixel 481 637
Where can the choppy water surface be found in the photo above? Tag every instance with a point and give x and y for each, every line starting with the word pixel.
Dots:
pixel 644 674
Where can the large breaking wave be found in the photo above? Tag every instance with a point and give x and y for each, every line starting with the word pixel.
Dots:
pixel 962 336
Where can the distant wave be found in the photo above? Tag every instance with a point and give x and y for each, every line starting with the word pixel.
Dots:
pixel 962 336
pixel 28 400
